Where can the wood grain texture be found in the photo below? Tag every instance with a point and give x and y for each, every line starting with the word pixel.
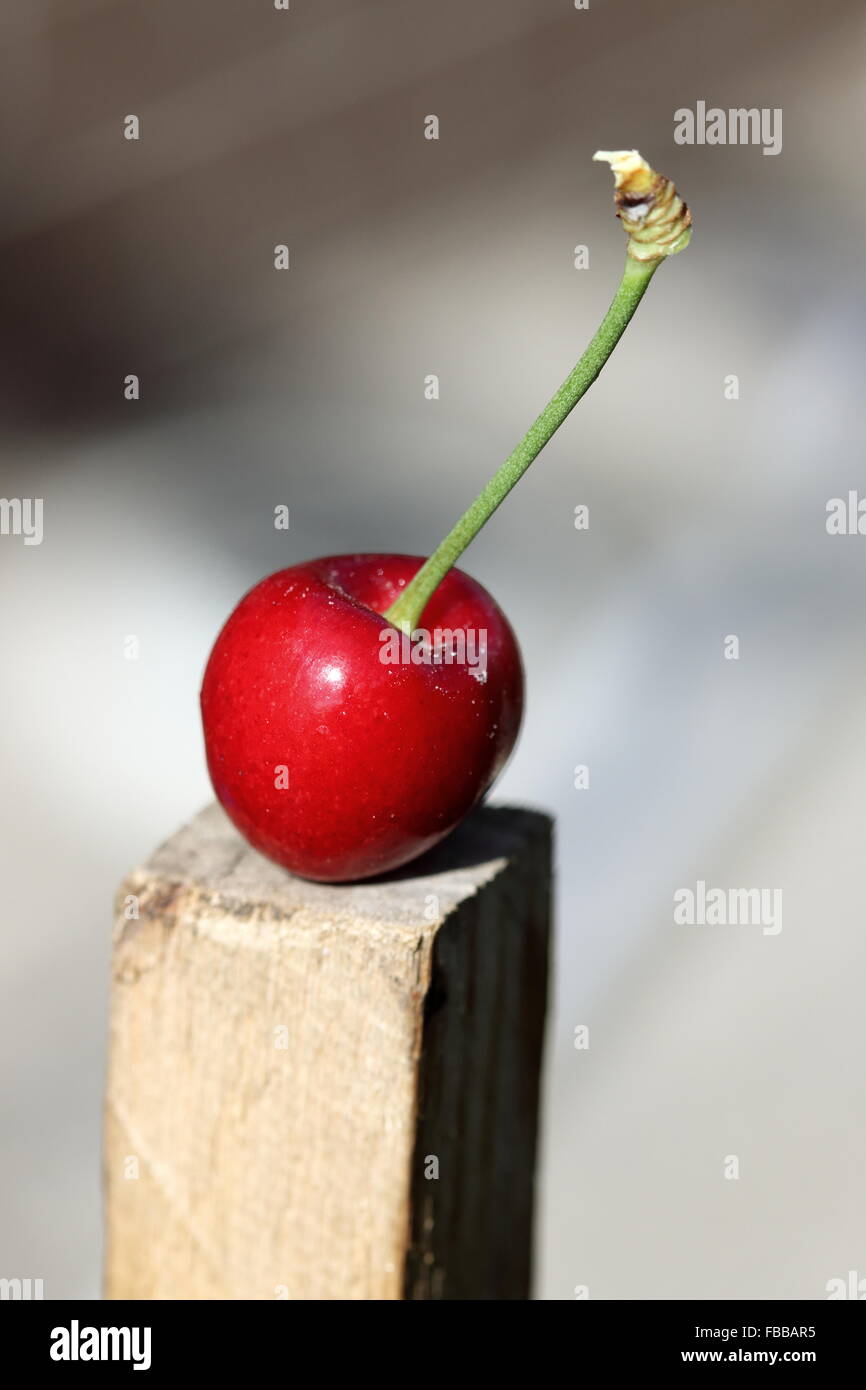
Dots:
pixel 287 1058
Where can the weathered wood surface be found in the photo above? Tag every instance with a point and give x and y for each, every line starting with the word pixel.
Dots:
pixel 292 1063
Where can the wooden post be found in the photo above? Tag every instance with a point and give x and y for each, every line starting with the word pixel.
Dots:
pixel 327 1092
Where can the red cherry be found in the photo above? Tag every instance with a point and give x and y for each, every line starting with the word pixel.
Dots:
pixel 332 761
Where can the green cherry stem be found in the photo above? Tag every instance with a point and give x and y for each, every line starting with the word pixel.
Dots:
pixel 406 611
pixel 658 223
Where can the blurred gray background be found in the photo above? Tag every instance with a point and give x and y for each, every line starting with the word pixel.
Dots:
pixel 707 517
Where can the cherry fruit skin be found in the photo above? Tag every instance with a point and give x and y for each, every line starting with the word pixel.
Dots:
pixel 331 761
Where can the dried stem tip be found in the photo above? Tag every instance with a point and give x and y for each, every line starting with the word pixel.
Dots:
pixel 654 215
